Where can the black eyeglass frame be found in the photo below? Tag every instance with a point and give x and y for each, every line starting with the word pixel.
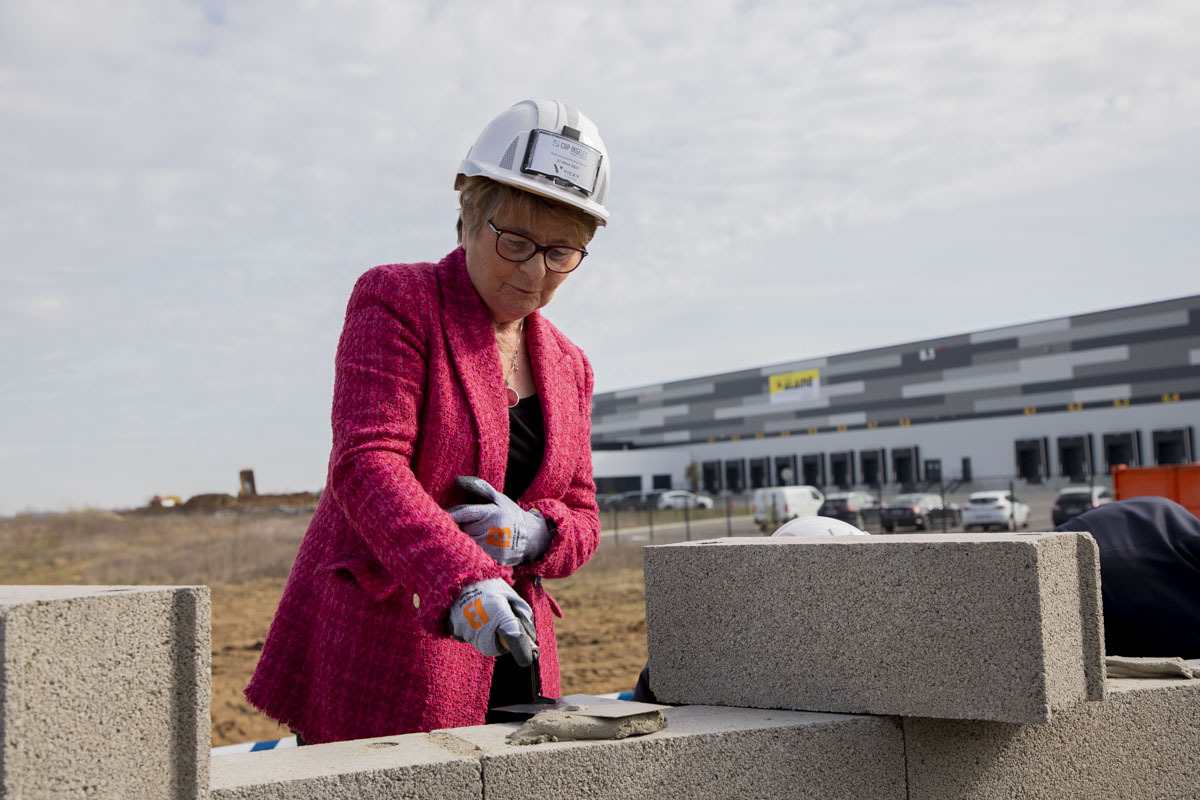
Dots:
pixel 537 248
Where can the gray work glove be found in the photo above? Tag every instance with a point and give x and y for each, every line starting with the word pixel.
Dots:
pixel 492 618
pixel 508 533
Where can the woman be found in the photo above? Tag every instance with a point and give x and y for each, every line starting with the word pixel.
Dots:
pixel 460 474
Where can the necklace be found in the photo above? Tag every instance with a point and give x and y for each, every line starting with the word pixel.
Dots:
pixel 509 391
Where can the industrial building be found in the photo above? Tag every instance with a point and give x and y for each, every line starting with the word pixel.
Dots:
pixel 1046 402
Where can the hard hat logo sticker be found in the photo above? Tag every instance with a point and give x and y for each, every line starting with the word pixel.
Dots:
pixel 499 537
pixel 562 159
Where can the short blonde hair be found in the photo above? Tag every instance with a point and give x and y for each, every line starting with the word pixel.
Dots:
pixel 481 199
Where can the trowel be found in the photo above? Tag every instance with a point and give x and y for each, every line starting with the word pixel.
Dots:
pixel 602 707
pixel 524 648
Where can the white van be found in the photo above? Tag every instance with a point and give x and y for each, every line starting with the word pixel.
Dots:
pixel 780 504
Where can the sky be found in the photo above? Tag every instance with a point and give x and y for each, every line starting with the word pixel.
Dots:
pixel 188 191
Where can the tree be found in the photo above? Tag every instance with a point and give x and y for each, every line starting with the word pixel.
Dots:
pixel 692 473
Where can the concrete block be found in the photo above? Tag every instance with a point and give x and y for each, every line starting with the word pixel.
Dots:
pixel 410 766
pixel 1143 742
pixel 104 691
pixel 707 752
pixel 961 626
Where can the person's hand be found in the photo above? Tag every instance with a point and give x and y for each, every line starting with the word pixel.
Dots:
pixel 491 617
pixel 508 533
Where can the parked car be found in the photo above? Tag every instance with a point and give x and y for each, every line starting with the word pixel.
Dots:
pixel 911 510
pixel 780 504
pixel 638 500
pixel 609 501
pixel 1074 500
pixel 860 509
pixel 681 498
pixel 998 508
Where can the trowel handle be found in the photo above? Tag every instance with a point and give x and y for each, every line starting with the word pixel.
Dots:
pixel 524 649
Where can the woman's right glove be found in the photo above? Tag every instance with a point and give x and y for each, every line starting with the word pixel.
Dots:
pixel 488 611
pixel 508 533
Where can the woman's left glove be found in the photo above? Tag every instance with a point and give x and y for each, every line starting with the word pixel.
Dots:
pixel 508 533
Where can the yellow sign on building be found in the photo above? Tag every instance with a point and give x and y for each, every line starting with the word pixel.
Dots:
pixel 791 387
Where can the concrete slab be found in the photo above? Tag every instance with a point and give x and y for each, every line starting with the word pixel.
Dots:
pixel 708 752
pixel 104 691
pixel 1144 741
pixel 415 765
pixel 1001 627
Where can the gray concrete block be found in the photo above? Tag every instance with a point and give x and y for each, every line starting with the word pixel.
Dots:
pixel 104 691
pixel 1143 742
pixel 415 765
pixel 1002 627
pixel 705 752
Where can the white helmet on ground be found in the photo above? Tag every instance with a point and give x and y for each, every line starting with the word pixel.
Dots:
pixel 545 147
pixel 818 526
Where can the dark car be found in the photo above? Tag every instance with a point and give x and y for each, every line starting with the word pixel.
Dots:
pixel 860 509
pixel 1074 500
pixel 638 500
pixel 911 510
pixel 609 501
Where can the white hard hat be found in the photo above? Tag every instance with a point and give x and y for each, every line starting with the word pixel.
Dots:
pixel 545 147
pixel 818 526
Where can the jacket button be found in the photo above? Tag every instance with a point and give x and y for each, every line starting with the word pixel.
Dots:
pixel 416 601
pixel 537 580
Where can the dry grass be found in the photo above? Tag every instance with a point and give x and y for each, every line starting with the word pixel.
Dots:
pixel 245 557
pixel 102 547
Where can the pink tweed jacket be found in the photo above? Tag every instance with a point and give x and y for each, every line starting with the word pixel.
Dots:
pixel 359 646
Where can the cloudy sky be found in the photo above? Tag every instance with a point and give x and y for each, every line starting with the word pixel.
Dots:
pixel 188 191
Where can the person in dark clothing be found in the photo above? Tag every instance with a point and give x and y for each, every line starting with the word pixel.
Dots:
pixel 1149 575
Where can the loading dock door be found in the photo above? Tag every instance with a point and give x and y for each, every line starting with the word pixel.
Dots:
pixel 1032 460
pixel 841 469
pixel 1122 448
pixel 712 476
pixel 735 475
pixel 759 476
pixel 813 467
pixel 1174 446
pixel 785 470
pixel 873 467
pixel 905 461
pixel 1075 457
pixel 619 483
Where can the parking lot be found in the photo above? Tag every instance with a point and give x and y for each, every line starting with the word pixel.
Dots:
pixel 662 527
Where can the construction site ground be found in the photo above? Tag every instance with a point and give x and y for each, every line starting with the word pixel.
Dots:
pixel 244 553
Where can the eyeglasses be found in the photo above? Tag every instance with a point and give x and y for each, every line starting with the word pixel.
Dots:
pixel 517 248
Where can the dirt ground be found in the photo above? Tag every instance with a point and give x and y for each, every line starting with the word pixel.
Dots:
pixel 244 556
pixel 601 638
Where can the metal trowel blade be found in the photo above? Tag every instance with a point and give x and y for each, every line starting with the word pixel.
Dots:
pixel 605 707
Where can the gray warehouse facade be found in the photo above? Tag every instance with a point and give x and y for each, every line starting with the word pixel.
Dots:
pixel 1045 402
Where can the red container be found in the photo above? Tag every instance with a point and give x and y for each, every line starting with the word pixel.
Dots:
pixel 1179 483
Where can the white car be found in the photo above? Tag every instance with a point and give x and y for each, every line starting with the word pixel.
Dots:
pixel 998 508
pixel 776 505
pixel 681 498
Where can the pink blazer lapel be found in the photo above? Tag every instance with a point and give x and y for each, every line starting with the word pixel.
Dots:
pixel 477 361
pixel 557 389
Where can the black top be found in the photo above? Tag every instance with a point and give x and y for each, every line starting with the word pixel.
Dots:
pixel 526 445
pixel 1149 575
pixel 512 684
